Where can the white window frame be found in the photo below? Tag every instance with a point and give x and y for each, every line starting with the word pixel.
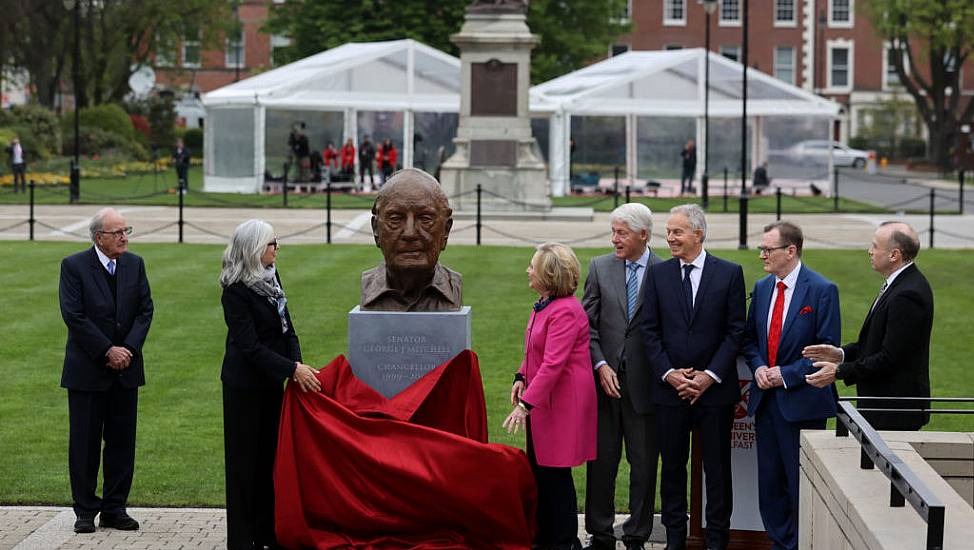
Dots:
pixel 673 22
pixel 886 68
pixel 774 67
pixel 721 22
pixel 735 47
pixel 842 24
pixel 229 60
pixel 793 22
pixel 182 53
pixel 836 45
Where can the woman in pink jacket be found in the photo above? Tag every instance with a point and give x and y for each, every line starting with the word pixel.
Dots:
pixel 554 393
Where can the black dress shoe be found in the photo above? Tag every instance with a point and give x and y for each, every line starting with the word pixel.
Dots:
pixel 635 546
pixel 122 522
pixel 84 525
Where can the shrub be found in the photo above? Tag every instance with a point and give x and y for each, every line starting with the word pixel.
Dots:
pixel 34 147
pixel 40 123
pixel 110 117
pixel 95 140
pixel 193 138
pixel 162 120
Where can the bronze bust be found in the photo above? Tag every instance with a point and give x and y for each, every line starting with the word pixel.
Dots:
pixel 411 222
pixel 498 6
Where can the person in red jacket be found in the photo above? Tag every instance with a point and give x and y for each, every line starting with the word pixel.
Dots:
pixel 330 156
pixel 348 159
pixel 380 155
pixel 389 157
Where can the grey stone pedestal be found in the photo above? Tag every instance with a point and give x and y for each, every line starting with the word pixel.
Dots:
pixel 389 350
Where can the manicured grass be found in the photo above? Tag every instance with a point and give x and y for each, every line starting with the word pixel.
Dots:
pixel 180 445
pixel 756 204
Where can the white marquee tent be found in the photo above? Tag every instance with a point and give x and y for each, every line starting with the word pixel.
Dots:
pixel 407 77
pixel 665 84
pixel 399 76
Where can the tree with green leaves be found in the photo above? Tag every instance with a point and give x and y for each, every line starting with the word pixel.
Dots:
pixel 117 37
pixel 573 33
pixel 930 40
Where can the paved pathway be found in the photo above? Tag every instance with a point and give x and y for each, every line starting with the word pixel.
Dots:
pixel 301 226
pixel 52 528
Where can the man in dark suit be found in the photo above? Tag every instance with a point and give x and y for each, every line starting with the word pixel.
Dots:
pixel 613 298
pixel 892 355
pixel 692 322
pixel 107 307
pixel 790 308
pixel 181 156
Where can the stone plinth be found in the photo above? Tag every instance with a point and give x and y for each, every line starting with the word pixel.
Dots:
pixel 389 350
pixel 494 145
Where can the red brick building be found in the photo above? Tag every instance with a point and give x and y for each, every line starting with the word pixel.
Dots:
pixel 825 46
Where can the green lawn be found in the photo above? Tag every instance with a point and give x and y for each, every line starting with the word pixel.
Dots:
pixel 756 205
pixel 180 446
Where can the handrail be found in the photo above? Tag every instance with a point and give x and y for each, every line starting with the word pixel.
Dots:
pixel 905 486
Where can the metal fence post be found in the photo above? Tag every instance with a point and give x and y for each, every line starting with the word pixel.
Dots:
pixel 835 189
pixel 628 189
pixel 742 245
pixel 960 192
pixel 285 193
pixel 181 196
pixel 777 196
pixel 725 189
pixel 933 196
pixel 328 211
pixel 479 190
pixel 615 189
pixel 30 219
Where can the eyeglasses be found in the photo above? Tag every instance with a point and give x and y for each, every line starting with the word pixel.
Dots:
pixel 118 234
pixel 274 243
pixel 769 249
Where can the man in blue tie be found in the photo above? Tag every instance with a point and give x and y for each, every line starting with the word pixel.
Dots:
pixel 107 307
pixel 791 308
pixel 692 322
pixel 613 290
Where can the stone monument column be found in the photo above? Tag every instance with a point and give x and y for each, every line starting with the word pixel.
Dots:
pixel 494 144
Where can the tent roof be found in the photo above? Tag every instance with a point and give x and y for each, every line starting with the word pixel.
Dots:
pixel 392 75
pixel 671 83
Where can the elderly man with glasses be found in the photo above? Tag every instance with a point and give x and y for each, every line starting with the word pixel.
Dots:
pixel 107 307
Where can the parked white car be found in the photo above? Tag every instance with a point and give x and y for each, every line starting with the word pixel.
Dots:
pixel 817 152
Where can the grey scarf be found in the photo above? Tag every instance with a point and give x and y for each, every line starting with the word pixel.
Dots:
pixel 268 287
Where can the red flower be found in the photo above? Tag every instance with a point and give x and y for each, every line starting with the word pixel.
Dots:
pixel 806 309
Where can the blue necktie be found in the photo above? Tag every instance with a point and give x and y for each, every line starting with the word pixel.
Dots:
pixel 632 289
pixel 688 286
pixel 111 267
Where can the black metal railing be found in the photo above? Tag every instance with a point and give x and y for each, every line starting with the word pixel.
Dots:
pixel 905 485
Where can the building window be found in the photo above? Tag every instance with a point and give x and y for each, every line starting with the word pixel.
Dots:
pixel 674 12
pixel 891 77
pixel 278 41
pixel 191 51
pixel 784 12
pixel 840 13
pixel 731 52
pixel 730 12
pixel 618 49
pixel 236 54
pixel 784 64
pixel 840 65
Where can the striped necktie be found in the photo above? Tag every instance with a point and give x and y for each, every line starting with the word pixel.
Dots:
pixel 111 267
pixel 632 289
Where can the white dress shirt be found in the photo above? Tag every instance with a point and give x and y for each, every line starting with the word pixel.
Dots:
pixel 105 259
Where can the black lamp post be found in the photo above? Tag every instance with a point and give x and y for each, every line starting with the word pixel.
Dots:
pixel 236 45
pixel 709 7
pixel 743 201
pixel 75 186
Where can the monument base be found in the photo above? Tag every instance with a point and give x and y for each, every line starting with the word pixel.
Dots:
pixel 389 350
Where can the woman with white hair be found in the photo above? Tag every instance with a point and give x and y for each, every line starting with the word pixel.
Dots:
pixel 262 351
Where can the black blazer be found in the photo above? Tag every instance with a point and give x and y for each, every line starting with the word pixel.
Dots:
pixel 892 355
pixel 708 338
pixel 96 321
pixel 258 354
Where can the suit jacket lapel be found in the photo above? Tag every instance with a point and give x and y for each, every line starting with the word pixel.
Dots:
pixel 705 278
pixel 122 277
pixel 618 272
pixel 762 302
pixel 639 297
pixel 899 278
pixel 797 299
pixel 97 271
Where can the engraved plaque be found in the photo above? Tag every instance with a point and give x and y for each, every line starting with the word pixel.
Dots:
pixel 493 152
pixel 493 89
pixel 389 350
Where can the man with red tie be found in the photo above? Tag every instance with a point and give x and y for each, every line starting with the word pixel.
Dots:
pixel 791 308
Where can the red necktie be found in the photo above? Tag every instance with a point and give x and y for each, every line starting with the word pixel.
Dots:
pixel 774 333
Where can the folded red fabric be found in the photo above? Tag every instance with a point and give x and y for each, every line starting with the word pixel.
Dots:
pixel 357 470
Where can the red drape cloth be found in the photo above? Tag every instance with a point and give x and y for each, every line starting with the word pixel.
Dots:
pixel 357 470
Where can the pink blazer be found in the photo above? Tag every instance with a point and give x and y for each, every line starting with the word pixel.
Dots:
pixel 560 384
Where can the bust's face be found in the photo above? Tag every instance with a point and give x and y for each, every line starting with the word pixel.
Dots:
pixel 411 227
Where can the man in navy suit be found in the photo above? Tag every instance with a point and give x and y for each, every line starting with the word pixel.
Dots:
pixel 791 308
pixel 107 307
pixel 693 322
